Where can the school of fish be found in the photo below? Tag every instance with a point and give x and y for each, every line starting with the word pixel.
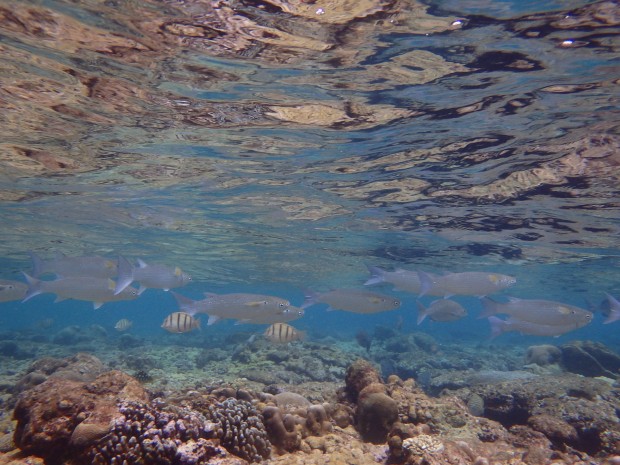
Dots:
pixel 99 280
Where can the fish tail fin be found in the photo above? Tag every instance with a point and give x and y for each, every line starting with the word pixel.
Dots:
pixel 422 312
pixel 37 265
pixel 376 275
pixel 614 314
pixel 489 308
pixel 426 283
pixel 125 275
pixel 310 298
pixel 301 335
pixel 497 326
pixel 34 287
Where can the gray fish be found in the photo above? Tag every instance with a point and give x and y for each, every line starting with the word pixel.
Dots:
pixel 474 283
pixel 235 306
pixel 12 290
pixel 282 333
pixel 441 310
pixel 542 312
pixel 180 322
pixel 352 300
pixel 499 326
pixel 96 290
pixel 149 276
pixel 290 314
pixel 614 310
pixel 62 265
pixel 402 280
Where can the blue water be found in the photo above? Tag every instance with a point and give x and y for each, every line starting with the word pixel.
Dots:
pixel 424 146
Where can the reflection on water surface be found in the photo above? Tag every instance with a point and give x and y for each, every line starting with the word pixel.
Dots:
pixel 275 141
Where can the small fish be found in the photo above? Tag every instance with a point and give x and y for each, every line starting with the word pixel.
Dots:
pixel 236 306
pixel 352 300
pixel 441 310
pixel 282 333
pixel 467 283
pixel 180 322
pixel 123 324
pixel 499 326
pixel 542 312
pixel 290 314
pixel 614 310
pixel 62 265
pixel 149 276
pixel 96 290
pixel 12 290
pixel 403 280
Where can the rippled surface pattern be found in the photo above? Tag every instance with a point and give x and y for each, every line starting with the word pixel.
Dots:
pixel 295 142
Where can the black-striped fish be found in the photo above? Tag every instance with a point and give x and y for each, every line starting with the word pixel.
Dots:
pixel 123 324
pixel 282 333
pixel 180 322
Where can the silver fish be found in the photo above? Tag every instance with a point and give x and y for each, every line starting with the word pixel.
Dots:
pixel 542 312
pixel 123 324
pixel 96 290
pixel 467 283
pixel 62 265
pixel 12 290
pixel 499 326
pixel 149 276
pixel 441 310
pixel 180 322
pixel 614 310
pixel 282 333
pixel 236 306
pixel 403 280
pixel 290 314
pixel 352 300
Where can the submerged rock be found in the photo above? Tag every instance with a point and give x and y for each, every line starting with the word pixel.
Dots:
pixel 590 358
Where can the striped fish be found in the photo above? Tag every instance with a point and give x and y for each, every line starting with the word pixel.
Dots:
pixel 180 322
pixel 283 333
pixel 123 325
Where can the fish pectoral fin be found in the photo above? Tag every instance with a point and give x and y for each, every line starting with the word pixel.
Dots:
pixel 177 271
pixel 255 303
pixel 564 310
pixel 375 300
pixel 96 305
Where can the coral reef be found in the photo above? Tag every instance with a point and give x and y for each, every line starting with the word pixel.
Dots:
pixel 570 410
pixel 543 355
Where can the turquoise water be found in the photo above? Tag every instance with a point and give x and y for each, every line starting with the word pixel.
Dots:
pixel 295 150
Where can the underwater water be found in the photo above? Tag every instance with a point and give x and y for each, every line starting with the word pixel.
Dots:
pixel 285 147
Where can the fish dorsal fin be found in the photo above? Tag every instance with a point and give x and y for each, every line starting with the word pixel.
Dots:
pixel 141 263
pixel 177 271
